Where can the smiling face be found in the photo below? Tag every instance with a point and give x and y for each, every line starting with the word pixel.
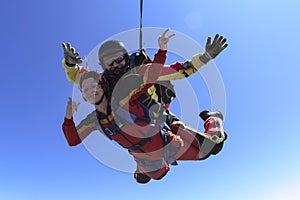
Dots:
pixel 91 90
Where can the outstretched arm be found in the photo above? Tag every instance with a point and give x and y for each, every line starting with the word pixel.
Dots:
pixel 180 70
pixel 74 135
pixel 68 126
pixel 70 63
pixel 136 85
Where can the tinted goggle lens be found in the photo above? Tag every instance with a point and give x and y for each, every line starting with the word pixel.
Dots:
pixel 117 60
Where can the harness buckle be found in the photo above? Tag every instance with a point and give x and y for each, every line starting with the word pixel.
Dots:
pixel 109 132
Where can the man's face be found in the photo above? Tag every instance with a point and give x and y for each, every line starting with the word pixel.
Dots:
pixel 91 90
pixel 114 61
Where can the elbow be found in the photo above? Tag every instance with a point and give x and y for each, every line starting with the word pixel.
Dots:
pixel 73 143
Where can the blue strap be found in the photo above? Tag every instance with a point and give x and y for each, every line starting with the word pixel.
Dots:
pixel 165 136
pixel 131 118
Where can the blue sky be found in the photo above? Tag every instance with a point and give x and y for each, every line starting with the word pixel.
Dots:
pixel 259 69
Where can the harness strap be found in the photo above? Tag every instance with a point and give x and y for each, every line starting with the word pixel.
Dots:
pixel 112 130
pixel 123 117
pixel 139 145
pixel 165 136
pixel 129 118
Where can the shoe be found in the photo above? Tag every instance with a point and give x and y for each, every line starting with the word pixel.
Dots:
pixel 218 147
pixel 206 114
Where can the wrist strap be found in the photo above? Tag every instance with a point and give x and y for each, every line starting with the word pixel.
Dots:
pixel 205 58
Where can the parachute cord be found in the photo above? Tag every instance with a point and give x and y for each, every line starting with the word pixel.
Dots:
pixel 141 26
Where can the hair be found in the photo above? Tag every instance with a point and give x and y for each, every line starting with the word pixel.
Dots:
pixel 90 74
pixel 97 77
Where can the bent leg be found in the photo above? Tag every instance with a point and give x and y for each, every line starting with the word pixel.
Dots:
pixel 197 145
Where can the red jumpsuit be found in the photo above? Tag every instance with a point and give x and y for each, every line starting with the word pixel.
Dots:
pixel 145 141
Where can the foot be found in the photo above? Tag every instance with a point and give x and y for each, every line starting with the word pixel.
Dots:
pixel 213 125
pixel 206 114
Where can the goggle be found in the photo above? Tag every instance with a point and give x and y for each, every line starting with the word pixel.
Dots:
pixel 117 60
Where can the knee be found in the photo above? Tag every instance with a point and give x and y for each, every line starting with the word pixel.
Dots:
pixel 208 147
pixel 218 147
pixel 176 125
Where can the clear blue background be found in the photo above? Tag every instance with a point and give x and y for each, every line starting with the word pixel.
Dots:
pixel 260 70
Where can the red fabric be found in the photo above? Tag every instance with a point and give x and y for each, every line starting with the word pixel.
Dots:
pixel 191 148
pixel 160 57
pixel 210 126
pixel 132 134
pixel 70 132
pixel 166 70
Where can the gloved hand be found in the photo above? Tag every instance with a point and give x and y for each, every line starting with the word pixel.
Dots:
pixel 70 55
pixel 214 49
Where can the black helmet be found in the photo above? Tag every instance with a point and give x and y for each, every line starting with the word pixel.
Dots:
pixel 111 47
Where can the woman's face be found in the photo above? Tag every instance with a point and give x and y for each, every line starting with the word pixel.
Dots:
pixel 91 90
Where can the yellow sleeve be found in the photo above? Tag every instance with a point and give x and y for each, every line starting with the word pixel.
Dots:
pixel 72 73
pixel 177 71
pixel 196 62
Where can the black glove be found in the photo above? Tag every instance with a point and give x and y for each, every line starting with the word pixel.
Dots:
pixel 70 55
pixel 214 49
